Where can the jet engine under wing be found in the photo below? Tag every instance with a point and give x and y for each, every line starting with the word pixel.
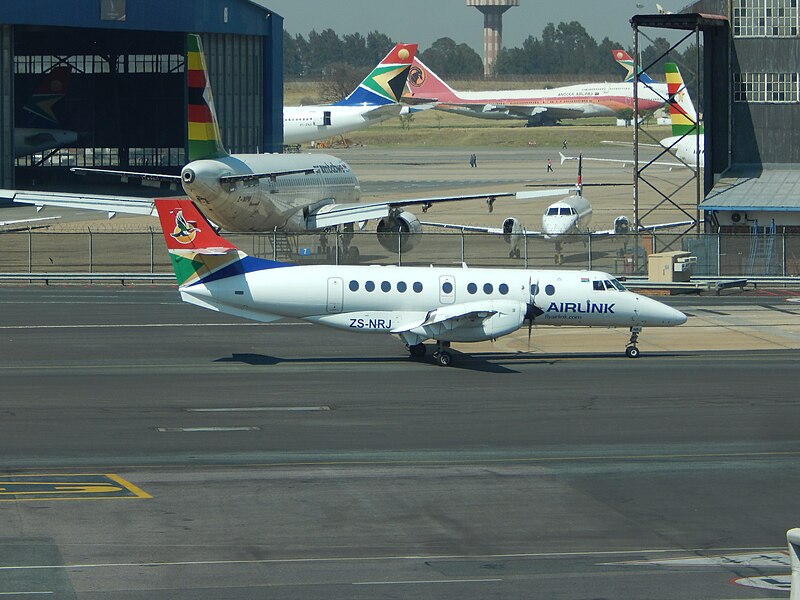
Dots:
pixel 110 204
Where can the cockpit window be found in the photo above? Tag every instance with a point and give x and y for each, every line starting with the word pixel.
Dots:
pixel 551 212
pixel 565 210
pixel 618 285
pixel 598 285
pixel 608 285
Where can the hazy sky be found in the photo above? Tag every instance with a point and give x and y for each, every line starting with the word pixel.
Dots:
pixel 424 21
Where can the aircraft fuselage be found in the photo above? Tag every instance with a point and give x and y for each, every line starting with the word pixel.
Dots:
pixel 265 204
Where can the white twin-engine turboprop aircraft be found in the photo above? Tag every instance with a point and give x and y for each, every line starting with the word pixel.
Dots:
pixel 438 303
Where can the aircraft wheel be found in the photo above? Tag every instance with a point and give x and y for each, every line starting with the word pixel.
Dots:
pixel 559 259
pixel 444 358
pixel 632 352
pixel 417 350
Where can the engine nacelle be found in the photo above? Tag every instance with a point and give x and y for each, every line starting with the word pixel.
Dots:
pixel 509 317
pixel 407 225
pixel 511 227
pixel 622 225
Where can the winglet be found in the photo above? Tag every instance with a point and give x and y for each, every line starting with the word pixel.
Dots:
pixel 385 84
pixel 205 140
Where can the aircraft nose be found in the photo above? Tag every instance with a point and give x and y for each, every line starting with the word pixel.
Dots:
pixel 655 313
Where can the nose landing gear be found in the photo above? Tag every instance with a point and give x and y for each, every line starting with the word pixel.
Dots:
pixel 632 351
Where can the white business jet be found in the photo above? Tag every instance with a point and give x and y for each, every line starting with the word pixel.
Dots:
pixel 563 221
pixel 445 304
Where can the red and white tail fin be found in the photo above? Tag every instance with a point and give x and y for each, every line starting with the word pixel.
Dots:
pixel 425 84
pixel 185 228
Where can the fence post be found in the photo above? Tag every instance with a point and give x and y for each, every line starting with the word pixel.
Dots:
pixel 525 246
pixel 590 250
pixel 275 244
pixel 30 249
pixel 399 248
pixel 336 254
pixel 91 261
pixel 463 259
pixel 783 253
pixel 152 251
pixel 719 254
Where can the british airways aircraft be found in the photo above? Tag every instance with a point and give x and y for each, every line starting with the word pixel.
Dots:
pixel 417 304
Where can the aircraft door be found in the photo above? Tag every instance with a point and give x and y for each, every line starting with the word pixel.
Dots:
pixel 447 289
pixel 326 118
pixel 335 294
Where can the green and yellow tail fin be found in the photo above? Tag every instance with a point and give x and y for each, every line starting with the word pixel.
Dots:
pixel 205 140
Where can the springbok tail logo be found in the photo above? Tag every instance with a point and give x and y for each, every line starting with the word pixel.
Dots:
pixel 184 231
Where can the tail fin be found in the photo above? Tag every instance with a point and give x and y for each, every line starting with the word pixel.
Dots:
pixel 51 88
pixel 205 140
pixel 424 83
pixel 198 253
pixel 625 61
pixel 681 108
pixel 384 85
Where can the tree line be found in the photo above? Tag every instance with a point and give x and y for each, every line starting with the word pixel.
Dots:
pixel 566 48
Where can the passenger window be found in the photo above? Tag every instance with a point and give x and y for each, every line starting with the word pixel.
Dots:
pixel 401 286
pixel 472 288
pixel 488 288
pixel 549 289
pixel 417 287
pixel 447 287
pixel 534 289
pixel 503 289
pixel 354 286
pixel 369 286
pixel 386 286
pixel 598 286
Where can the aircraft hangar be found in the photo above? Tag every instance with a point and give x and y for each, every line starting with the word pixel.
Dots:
pixel 123 98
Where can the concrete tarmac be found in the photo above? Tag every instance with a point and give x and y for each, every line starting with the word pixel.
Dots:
pixel 292 461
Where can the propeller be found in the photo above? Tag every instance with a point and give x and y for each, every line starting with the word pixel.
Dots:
pixel 532 311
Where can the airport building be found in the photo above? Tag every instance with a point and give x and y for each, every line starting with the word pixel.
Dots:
pixel 121 93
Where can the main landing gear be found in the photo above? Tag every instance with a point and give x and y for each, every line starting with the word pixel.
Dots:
pixel 348 254
pixel 631 351
pixel 443 356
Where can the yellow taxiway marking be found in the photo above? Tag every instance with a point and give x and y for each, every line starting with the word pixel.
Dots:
pixel 105 486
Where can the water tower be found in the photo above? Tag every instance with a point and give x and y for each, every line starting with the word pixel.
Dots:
pixel 492 29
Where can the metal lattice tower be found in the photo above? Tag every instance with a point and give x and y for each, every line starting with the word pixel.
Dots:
pixel 492 29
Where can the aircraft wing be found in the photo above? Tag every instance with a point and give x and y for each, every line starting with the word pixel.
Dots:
pixel 111 204
pixel 450 317
pixel 125 175
pixel 642 228
pixel 385 111
pixel 553 112
pixel 27 221
pixel 624 162
pixel 340 214
pixel 480 229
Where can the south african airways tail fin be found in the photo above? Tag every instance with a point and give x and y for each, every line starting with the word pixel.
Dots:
pixel 205 140
pixel 198 253
pixel 385 84
pixel 38 109
pixel 625 61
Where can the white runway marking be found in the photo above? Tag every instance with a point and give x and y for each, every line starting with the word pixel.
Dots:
pixel 204 429
pixel 425 582
pixel 262 409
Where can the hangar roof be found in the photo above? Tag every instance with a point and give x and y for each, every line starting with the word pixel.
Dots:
pixel 242 17
pixel 770 189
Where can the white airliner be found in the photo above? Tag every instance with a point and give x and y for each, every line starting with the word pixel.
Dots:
pixel 537 107
pixel 417 304
pixel 565 220
pixel 262 192
pixel 374 100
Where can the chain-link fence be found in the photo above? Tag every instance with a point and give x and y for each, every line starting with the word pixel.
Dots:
pixel 145 252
